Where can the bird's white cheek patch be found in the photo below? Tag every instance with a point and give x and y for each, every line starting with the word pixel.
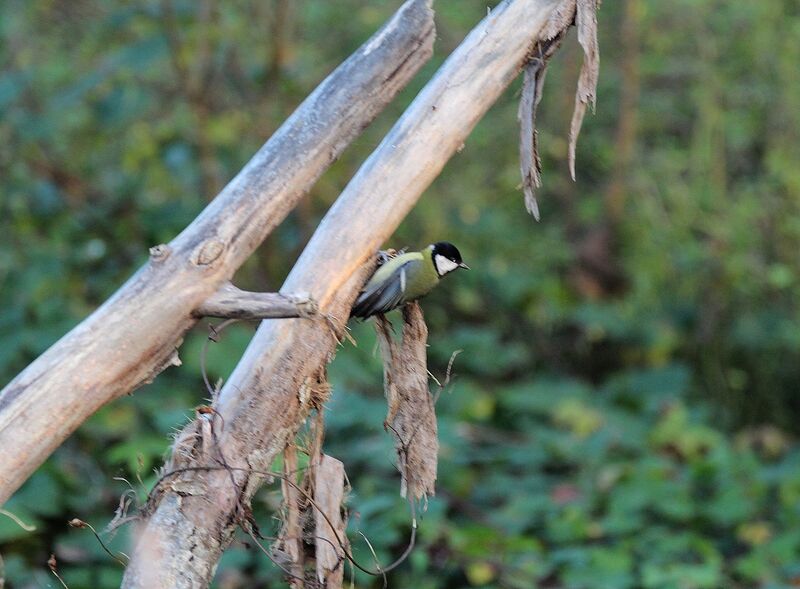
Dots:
pixel 444 265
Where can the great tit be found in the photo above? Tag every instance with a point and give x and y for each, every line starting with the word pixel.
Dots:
pixel 405 278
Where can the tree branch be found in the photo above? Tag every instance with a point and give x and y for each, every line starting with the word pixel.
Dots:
pixel 230 302
pixel 134 335
pixel 271 391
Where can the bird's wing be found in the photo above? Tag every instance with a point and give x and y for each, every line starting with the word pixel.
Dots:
pixel 384 295
pixel 390 267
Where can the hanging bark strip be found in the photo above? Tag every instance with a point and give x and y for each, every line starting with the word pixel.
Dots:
pixel 586 93
pixel 330 484
pixel 532 87
pixel 411 416
pixel 582 13
pixel 267 397
pixel 292 534
pixel 135 334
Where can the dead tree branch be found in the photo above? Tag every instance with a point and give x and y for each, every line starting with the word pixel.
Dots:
pixel 271 391
pixel 135 334
pixel 230 302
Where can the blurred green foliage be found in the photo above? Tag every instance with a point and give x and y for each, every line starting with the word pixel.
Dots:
pixel 624 410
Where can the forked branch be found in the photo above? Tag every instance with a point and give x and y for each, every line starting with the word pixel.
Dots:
pixel 134 335
pixel 270 393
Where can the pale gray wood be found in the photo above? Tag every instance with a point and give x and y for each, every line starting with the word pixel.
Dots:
pixel 230 302
pixel 330 481
pixel 276 383
pixel 135 334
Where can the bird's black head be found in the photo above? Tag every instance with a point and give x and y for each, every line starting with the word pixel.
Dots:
pixel 446 257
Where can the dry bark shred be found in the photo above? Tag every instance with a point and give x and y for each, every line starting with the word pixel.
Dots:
pixel 584 14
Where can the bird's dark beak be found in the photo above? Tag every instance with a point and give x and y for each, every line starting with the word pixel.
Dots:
pixel 463 265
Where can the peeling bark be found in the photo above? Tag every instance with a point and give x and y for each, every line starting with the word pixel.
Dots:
pixel 582 13
pixel 133 336
pixel 329 489
pixel 532 88
pixel 292 535
pixel 411 416
pixel 586 94
pixel 269 393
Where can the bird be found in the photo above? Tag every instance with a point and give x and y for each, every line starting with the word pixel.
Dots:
pixel 406 277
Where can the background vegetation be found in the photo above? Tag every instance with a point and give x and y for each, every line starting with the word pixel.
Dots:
pixel 624 411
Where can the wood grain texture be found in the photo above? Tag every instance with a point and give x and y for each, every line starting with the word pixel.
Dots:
pixel 269 393
pixel 135 334
pixel 329 486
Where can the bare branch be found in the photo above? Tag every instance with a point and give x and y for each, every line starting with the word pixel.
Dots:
pixel 270 393
pixel 232 303
pixel 133 336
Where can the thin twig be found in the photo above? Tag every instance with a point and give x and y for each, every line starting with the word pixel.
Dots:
pixel 213 336
pixel 266 552
pixel 51 562
pixel 79 523
pixel 222 459
pixel 374 557
pixel 18 521
pixel 447 375
pixel 450 366
pixel 121 513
